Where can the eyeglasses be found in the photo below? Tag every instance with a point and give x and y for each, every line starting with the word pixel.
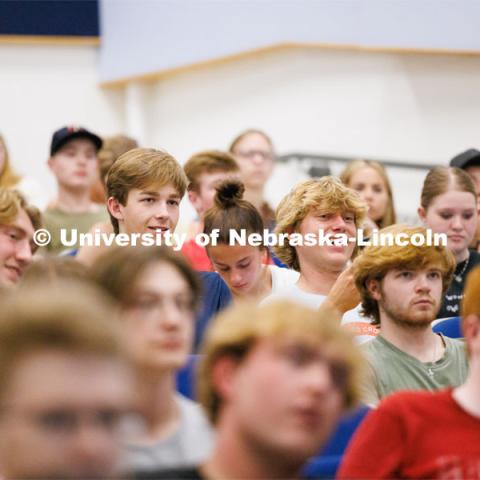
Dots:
pixel 251 154
pixel 63 422
pixel 151 304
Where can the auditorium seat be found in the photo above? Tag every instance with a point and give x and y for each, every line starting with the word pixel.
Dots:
pixel 450 327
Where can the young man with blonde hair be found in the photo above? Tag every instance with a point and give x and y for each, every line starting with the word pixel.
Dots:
pixel 204 170
pixel 426 434
pixel 327 209
pixel 402 287
pixel 18 222
pixel 273 380
pixel 64 384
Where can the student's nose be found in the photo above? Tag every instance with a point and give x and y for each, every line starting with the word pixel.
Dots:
pixel 236 277
pixel 162 210
pixel 318 378
pixel 457 223
pixel 170 315
pixel 422 282
pixel 338 222
pixel 95 450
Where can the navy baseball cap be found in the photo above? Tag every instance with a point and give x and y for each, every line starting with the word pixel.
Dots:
pixel 65 134
pixel 468 158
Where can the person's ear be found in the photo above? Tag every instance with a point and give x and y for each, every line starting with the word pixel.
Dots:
pixel 223 376
pixel 115 208
pixel 422 214
pixel 471 332
pixel 373 287
pixel 50 163
pixel 194 199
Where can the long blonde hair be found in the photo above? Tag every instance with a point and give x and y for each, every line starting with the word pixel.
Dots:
pixel 8 178
pixel 353 167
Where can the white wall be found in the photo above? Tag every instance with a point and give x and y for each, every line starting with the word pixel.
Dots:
pixel 43 88
pixel 416 108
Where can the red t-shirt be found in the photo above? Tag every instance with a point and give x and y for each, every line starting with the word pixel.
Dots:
pixel 197 256
pixel 415 435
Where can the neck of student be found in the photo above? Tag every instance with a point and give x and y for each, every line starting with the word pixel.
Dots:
pixel 236 457
pixel 421 343
pixel 468 394
pixel 255 196
pixel 73 201
pixel 461 256
pixel 314 280
pixel 155 400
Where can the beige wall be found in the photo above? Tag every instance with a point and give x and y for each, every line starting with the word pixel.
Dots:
pixel 419 108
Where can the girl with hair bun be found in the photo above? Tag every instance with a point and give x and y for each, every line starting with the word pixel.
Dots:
pixel 448 205
pixel 244 268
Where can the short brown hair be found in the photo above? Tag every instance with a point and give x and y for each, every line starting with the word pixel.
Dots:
pixel 208 161
pixel 53 270
pixel 375 261
pixel 8 178
pixel 244 134
pixel 113 148
pixel 143 168
pixel 73 318
pixel 119 269
pixel 307 196
pixel 353 167
pixel 234 333
pixel 442 179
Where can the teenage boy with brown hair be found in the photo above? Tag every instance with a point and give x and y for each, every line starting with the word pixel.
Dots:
pixel 204 170
pixel 402 287
pixel 426 434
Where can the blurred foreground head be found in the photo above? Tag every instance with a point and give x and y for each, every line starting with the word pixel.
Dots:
pixel 64 385
pixel 277 377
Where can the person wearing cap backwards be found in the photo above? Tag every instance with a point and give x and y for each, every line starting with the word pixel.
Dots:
pixel 469 160
pixel 73 161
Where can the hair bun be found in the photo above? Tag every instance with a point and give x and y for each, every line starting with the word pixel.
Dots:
pixel 229 192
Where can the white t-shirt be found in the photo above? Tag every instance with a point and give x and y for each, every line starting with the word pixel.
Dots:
pixel 282 278
pixel 360 326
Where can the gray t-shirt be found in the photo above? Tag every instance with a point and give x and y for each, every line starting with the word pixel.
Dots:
pixel 189 445
pixel 390 369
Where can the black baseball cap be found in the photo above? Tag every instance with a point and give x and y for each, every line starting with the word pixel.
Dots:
pixel 468 158
pixel 65 134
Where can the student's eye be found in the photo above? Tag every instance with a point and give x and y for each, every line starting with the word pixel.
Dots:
pixel 467 216
pixel 147 200
pixel 434 275
pixel 323 216
pixel 244 265
pixel 349 218
pixel 378 189
pixel 174 202
pixel 405 274
pixel 359 187
pixel 222 269
pixel 445 215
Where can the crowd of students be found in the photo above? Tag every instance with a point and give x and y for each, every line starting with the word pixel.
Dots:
pixel 287 338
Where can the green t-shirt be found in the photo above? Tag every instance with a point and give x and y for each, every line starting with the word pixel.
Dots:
pixel 390 369
pixel 55 219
